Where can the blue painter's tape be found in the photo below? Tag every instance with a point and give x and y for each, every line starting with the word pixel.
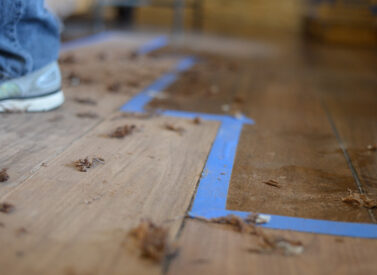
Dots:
pixel 85 41
pixel 150 46
pixel 214 183
pixel 137 103
pixel 347 229
pixel 155 44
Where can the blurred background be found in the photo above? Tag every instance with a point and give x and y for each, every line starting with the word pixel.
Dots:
pixel 342 22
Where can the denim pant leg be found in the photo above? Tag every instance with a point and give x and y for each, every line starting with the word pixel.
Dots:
pixel 29 37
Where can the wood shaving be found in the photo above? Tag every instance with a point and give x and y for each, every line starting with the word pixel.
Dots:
pixel 268 244
pixel 68 59
pixel 197 120
pixel 83 165
pixel 122 131
pixel 85 101
pixel 114 87
pixel 239 99
pixel 6 207
pixel 4 175
pixel 272 183
pixel 21 231
pixel 173 128
pixel 372 148
pixel 87 115
pixel 359 200
pixel 152 240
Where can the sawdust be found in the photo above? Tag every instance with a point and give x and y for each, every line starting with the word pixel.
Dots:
pixel 102 56
pixel 268 244
pixel 83 165
pixel 68 59
pixel 85 101
pixel 114 87
pixel 152 241
pixel 4 175
pixel 277 245
pixel 239 99
pixel 21 231
pixel 359 200
pixel 174 128
pixel 6 207
pixel 272 183
pixel 122 131
pixel 87 115
pixel 197 120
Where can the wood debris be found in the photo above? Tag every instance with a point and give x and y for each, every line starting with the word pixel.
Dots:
pixel 268 244
pixel 277 245
pixel 173 128
pixel 68 59
pixel 102 56
pixel 272 183
pixel 6 207
pixel 372 148
pixel 122 131
pixel 114 87
pixel 85 101
pixel 152 241
pixel 87 115
pixel 239 99
pixel 359 200
pixel 21 231
pixel 74 79
pixel 133 83
pixel 83 165
pixel 4 175
pixel 197 120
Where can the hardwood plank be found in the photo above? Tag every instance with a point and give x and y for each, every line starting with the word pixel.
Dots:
pixel 28 140
pixel 211 249
pixel 79 220
pixel 292 141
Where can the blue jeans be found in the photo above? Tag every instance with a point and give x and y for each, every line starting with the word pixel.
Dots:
pixel 29 37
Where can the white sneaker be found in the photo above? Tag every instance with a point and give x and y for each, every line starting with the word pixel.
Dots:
pixel 38 91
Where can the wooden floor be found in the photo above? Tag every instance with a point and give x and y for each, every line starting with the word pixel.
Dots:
pixel 315 113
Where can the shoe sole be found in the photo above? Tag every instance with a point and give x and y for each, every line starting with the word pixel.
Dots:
pixel 36 104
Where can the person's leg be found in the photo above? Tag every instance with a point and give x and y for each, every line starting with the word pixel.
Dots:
pixel 29 37
pixel 29 48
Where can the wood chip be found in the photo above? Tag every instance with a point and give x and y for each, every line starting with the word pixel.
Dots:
pixel 272 183
pixel 239 99
pixel 359 200
pixel 83 165
pixel 152 241
pixel 4 175
pixel 372 148
pixel 68 59
pixel 114 87
pixel 6 207
pixel 268 244
pixel 122 131
pixel 197 120
pixel 173 128
pixel 87 115
pixel 21 231
pixel 85 101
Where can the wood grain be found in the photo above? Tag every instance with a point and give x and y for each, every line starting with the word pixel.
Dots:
pixel 79 220
pixel 29 140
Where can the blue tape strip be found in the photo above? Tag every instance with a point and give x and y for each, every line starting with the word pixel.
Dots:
pixel 85 41
pixel 137 103
pixel 150 46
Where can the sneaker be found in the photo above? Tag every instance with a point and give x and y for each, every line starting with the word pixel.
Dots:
pixel 38 91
